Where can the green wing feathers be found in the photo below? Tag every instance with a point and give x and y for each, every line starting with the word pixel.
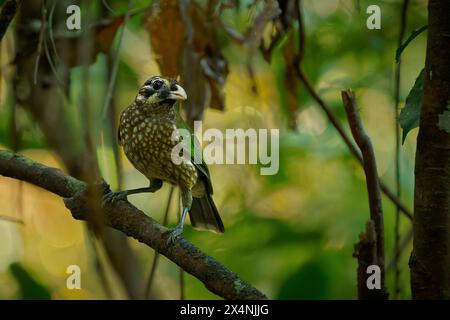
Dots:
pixel 196 149
pixel 203 212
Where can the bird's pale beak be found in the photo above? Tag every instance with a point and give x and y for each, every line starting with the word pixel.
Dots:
pixel 178 94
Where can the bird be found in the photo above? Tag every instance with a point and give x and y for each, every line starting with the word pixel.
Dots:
pixel 148 131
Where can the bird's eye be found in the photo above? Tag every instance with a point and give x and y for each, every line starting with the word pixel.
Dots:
pixel 147 91
pixel 157 84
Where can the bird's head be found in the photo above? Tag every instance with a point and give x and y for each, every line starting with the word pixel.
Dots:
pixel 158 91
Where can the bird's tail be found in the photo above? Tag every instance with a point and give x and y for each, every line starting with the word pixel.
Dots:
pixel 204 214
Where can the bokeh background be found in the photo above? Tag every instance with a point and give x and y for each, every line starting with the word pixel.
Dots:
pixel 291 234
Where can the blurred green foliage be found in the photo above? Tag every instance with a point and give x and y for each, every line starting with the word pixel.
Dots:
pixel 29 287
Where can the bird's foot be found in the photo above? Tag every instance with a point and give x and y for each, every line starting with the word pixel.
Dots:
pixel 113 197
pixel 174 234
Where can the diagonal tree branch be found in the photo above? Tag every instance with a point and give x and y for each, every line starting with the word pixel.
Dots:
pixel 369 164
pixel 332 117
pixel 133 222
pixel 354 151
pixel 239 39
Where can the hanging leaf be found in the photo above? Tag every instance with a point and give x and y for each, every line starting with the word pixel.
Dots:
pixel 413 35
pixel 444 120
pixel 183 35
pixel 167 33
pixel 410 114
pixel 105 33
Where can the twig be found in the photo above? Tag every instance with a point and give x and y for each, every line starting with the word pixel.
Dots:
pixel 112 130
pixel 402 247
pixel 125 217
pixel 9 10
pixel 50 31
pixel 354 151
pixel 111 114
pixel 235 35
pixel 99 268
pixel 403 22
pixel 373 190
pixel 51 38
pixel 369 164
pixel 156 256
pixel 107 6
pixel 40 41
pixel 115 65
pixel 52 64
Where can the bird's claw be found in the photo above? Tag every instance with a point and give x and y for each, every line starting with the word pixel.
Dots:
pixel 174 234
pixel 112 197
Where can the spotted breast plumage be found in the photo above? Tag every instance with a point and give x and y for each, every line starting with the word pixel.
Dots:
pixel 148 132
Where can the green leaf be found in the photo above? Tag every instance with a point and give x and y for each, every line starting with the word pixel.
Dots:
pixel 413 35
pixel 30 288
pixel 410 114
pixel 444 120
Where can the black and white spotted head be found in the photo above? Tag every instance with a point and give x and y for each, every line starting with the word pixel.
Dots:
pixel 160 90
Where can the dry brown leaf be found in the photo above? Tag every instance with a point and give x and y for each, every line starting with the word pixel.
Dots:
pixel 184 41
pixel 104 34
pixel 167 33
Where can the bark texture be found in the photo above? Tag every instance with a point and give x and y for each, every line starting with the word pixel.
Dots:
pixel 430 259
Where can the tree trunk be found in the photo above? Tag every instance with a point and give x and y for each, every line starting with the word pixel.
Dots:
pixel 430 259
